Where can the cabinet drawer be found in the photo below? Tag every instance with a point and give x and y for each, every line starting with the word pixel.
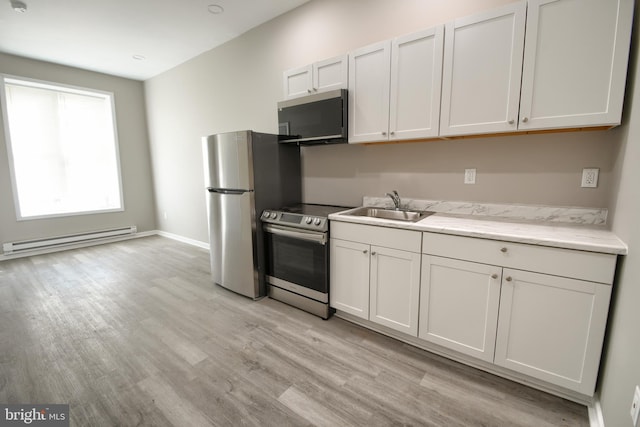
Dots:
pixel 583 265
pixel 394 238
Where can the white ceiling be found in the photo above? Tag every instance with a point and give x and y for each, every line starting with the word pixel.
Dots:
pixel 105 35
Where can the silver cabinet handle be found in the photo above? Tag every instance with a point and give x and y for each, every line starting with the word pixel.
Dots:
pixel 509 278
pixel 503 250
pixel 392 133
pixel 384 133
pixel 365 251
pixel 511 121
pixel 494 276
pixel 373 253
pixel 309 91
pixel 525 119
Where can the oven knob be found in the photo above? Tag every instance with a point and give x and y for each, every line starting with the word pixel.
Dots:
pixel 308 220
pixel 274 215
pixel 265 214
pixel 317 221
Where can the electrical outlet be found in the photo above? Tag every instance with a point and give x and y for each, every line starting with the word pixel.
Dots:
pixel 635 406
pixel 590 177
pixel 469 176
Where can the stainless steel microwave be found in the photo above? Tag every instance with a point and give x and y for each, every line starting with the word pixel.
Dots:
pixel 320 118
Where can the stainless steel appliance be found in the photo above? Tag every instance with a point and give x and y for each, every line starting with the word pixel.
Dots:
pixel 245 173
pixel 297 240
pixel 320 118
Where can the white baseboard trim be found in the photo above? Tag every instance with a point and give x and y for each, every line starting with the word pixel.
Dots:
pixel 183 239
pixel 596 419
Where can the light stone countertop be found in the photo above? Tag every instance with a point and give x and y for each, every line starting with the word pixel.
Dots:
pixel 593 238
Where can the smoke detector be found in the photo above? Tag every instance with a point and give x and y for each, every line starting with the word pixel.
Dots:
pixel 19 6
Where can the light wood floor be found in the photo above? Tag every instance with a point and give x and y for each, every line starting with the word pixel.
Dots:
pixel 134 333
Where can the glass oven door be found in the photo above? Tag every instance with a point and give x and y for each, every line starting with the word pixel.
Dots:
pixel 297 256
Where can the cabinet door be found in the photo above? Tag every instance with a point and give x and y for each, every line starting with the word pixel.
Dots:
pixel 575 63
pixel 395 287
pixel 349 286
pixel 552 328
pixel 330 74
pixel 369 73
pixel 298 82
pixel 482 71
pixel 459 305
pixel 416 80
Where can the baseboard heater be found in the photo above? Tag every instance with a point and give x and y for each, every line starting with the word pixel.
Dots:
pixel 70 239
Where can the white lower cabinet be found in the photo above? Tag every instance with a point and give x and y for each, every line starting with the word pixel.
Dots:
pixel 375 274
pixel 550 323
pixel 536 314
pixel 552 328
pixel 459 305
pixel 350 277
pixel 394 289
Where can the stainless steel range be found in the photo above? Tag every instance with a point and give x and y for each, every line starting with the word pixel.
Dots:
pixel 297 252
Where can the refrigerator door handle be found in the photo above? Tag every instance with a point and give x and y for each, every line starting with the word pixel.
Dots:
pixel 227 190
pixel 310 236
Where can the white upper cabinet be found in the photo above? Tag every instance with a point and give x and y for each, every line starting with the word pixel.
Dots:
pixel 330 74
pixel 369 76
pixel 298 82
pixel 575 63
pixel 526 66
pixel 567 71
pixel 317 77
pixel 416 74
pixel 394 88
pixel 481 72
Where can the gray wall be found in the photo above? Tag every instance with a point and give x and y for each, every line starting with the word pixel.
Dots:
pixel 237 85
pixel 134 156
pixel 620 368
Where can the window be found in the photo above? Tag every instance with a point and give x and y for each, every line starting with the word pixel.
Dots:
pixel 63 149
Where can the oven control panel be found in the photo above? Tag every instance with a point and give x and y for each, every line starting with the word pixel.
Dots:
pixel 309 222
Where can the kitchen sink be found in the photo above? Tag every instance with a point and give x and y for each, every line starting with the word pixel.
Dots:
pixel 398 215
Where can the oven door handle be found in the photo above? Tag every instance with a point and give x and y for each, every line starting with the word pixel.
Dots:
pixel 310 236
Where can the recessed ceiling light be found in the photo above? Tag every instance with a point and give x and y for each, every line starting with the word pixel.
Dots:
pixel 18 6
pixel 139 57
pixel 216 9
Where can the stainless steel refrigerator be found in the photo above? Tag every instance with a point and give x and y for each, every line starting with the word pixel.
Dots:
pixel 246 172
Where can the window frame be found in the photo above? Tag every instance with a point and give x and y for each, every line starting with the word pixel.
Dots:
pixel 59 87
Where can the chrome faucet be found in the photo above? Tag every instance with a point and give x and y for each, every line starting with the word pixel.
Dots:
pixel 396 199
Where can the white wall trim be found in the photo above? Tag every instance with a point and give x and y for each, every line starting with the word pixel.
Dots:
pixel 183 239
pixel 596 419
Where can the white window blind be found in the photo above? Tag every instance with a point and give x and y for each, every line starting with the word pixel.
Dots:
pixel 63 150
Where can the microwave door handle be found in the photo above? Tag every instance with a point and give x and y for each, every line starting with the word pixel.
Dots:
pixel 320 238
